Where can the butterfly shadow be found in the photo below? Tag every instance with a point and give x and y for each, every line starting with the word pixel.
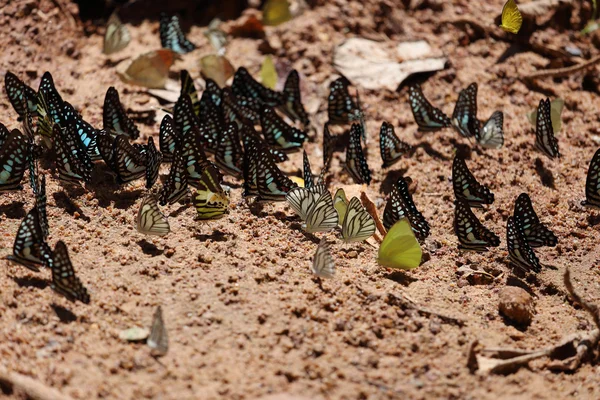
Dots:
pixel 387 184
pixel 180 210
pixel 149 248
pixel 462 150
pixel 122 199
pixel 13 210
pixel 592 219
pixel 545 174
pixel 512 50
pixel 30 282
pixel 108 63
pixel 63 201
pixel 400 277
pixel 64 314
pixel 433 153
pixel 215 236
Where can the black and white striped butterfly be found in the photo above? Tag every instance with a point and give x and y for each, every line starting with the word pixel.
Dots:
pixel 400 205
pixel 153 160
pixel 252 145
pixel 520 253
pixel 188 88
pixel 64 280
pixel 592 183
pixel 245 85
pixel 278 133
pixel 40 204
pixel 271 183
pixel 471 233
pixel 545 141
pixel 114 117
pixel 150 220
pixel 229 156
pixel 168 138
pixel 466 186
pixel 30 249
pixel 464 117
pixel 391 148
pixel 171 35
pixel 323 265
pixel 21 96
pixel 176 184
pixel 341 108
pixel 358 224
pixel 127 161
pixel 315 208
pixel 72 160
pixel 293 106
pixel 491 134
pixel 536 233
pixel 426 116
pixel 117 35
pixel 356 163
pixel 14 158
pixel 306 171
pixel 158 341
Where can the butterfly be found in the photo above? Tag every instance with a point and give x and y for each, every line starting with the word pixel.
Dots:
pixel 279 134
pixel 328 144
pixel 466 186
pixel 315 208
pixel 592 182
pixel 14 157
pixel 21 96
pixel 356 163
pixel 72 160
pixel 117 35
pixel 168 138
pixel 150 220
pixel 153 160
pixel 292 97
pixel 158 340
pixel 150 69
pixel 400 205
pixel 426 116
pixel 194 156
pixel 471 233
pixel 340 203
pixel 252 145
pixel 40 204
pixel 86 132
pixel 64 280
pixel 171 35
pixel 184 117
pixel 306 172
pixel 114 117
pixel 127 161
pixel 400 249
pixel 49 105
pixel 390 146
pixel 235 111
pixel 545 141
pixel 520 252
pixel 271 183
pixel 464 117
pixel 30 248
pixel 214 91
pixel 176 184
pixel 358 224
pixel 511 17
pixel 210 200
pixel 212 123
pixel 556 107
pixel 188 87
pixel 245 85
pixel 229 155
pixel 322 264
pixel 341 108
pixel 536 233
pixel 491 135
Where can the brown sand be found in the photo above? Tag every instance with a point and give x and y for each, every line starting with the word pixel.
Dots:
pixel 244 315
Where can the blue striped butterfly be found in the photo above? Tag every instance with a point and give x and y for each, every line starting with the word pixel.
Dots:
pixel 471 233
pixel 234 110
pixel 176 184
pixel 271 183
pixel 323 265
pixel 293 106
pixel 168 138
pixel 4 132
pixel 49 105
pixel 72 160
pixel 358 224
pixel 114 117
pixel 491 134
pixel 210 199
pixel 592 183
pixel 14 157
pixel 171 35
pixel 229 156
pixel 188 87
pixel 520 253
pixel 183 116
pixel 536 233
pixel 64 280
pixel 212 122
pixel 427 117
pixel 40 204
pixel 21 96
pixel 244 85
pixel 391 148
pixel 86 132
pixel 545 141
pixel 153 160
pixel 306 171
pixel 214 91
pixel 150 220
pixel 356 163
pixel 464 117
pixel 194 156
pixel 466 186
pixel 117 35
pixel 252 145
pixel 278 133
pixel 401 205
pixel 30 249
pixel 341 108
pixel 127 161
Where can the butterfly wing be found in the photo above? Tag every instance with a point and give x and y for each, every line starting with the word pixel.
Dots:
pixel 536 233
pixel 358 224
pixel 14 157
pixel 278 133
pixel 171 35
pixel 519 252
pixel 321 216
pixel 511 17
pixel 117 35
pixel 356 163
pixel 72 160
pixel 158 340
pixel 491 135
pixel 400 205
pixel 400 249
pixel 466 186
pixel 545 141
pixel 592 182
pixel 471 233
pixel 153 160
pixel 340 203
pixel 150 69
pixel 323 265
pixel 150 220
pixel 188 88
pixel 114 117
pixel 30 249
pixel 427 117
pixel 86 132
pixel 128 163
pixel 175 187
pixel 391 148
pixel 293 107
pixel 211 201
pixel 341 108
pixel 64 280
pixel 307 173
pixel 245 85
pixel 21 96
pixel 229 156
pixel 271 183
pixel 464 117
pixel 168 138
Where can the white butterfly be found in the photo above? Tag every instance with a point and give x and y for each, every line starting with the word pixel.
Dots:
pixel 158 340
pixel 150 221
pixel 323 265
pixel 117 35
pixel 358 224
pixel 491 135
pixel 315 207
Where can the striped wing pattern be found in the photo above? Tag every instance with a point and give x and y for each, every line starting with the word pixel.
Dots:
pixel 545 141
pixel 471 233
pixel 391 148
pixel 358 224
pixel 64 280
pixel 356 163
pixel 150 220
pixel 427 117
pixel 323 265
pixel 401 205
pixel 520 252
pixel 536 233
pixel 464 117
pixel 466 186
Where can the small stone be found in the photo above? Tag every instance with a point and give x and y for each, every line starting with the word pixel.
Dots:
pixel 516 304
pixel 352 254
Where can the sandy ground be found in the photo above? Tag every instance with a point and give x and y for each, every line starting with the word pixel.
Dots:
pixel 245 317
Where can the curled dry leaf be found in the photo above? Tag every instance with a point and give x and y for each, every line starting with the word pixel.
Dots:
pixel 218 68
pixel 369 64
pixel 150 69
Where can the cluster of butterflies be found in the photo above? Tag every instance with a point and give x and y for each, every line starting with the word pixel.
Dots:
pixel 524 230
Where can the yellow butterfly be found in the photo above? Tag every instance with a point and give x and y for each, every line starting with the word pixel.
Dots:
pixel 276 12
pixel 511 17
pixel 211 201
pixel 400 248
pixel 340 202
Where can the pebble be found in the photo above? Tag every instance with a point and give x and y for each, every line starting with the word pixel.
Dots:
pixel 516 304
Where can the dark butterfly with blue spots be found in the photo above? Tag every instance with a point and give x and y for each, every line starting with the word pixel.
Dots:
pixel 214 91
pixel 153 160
pixel 328 144
pixel 49 105
pixel 176 184
pixel 536 233
pixel 271 183
pixel 356 163
pixel 188 87
pixel 183 116
pixel 171 35
pixel 471 233
pixel 244 85
pixel 427 117
pixel 21 96
pixel 464 117
pixel 466 186
pixel 72 160
pixel 168 138
pixel 229 156
pixel 194 156
pixel 64 280
pixel 15 153
pixel 126 160
pixel 30 249
pixel 292 97
pixel 341 108
pixel 401 205
pixel 40 204
pixel 212 123
pixel 278 133
pixel 545 141
pixel 306 171
pixel 592 183
pixel 114 117
pixel 520 253
pixel 391 148
pixel 86 132
pixel 252 147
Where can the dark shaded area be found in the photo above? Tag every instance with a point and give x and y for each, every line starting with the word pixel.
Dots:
pixel 545 174
pixel 65 315
pixel 122 199
pixel 63 201
pixel 463 150
pixel 30 281
pixel 387 185
pixel 400 277
pixel 216 236
pixel 181 209
pixel 6 387
pixel 593 219
pixel 13 210
pixel 149 248
pixel 431 151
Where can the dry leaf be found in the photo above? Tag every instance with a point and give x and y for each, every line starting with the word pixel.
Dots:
pixel 150 69
pixel 215 67
pixel 247 26
pixel 368 64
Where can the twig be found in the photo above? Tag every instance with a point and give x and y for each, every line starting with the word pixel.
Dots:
pixel 32 388
pixel 592 309
pixel 562 72
pixel 372 210
pixel 406 301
